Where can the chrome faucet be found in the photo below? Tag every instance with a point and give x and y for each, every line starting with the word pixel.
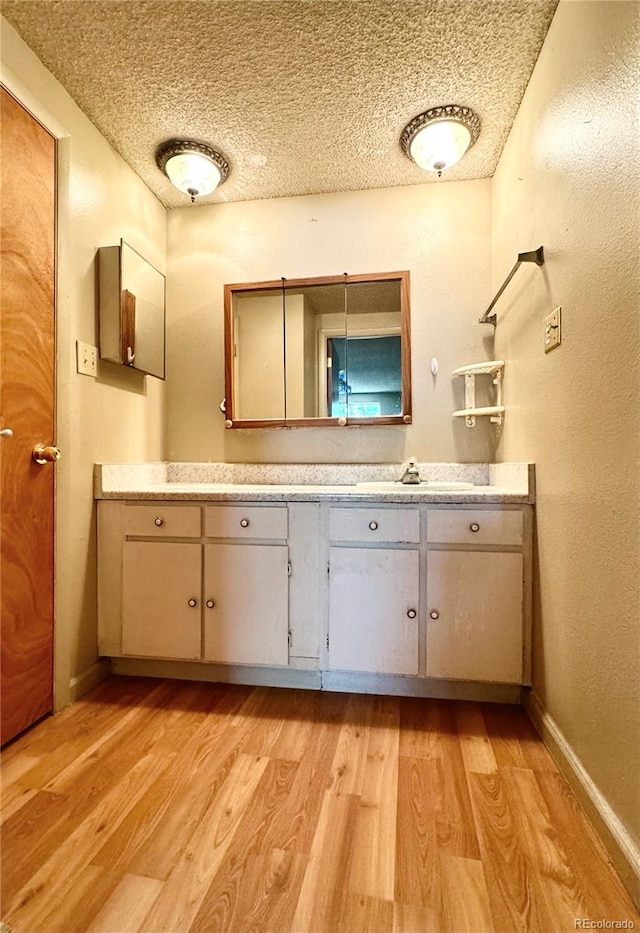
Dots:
pixel 411 475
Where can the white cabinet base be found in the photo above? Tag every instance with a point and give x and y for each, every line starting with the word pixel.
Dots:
pixel 336 681
pixel 418 601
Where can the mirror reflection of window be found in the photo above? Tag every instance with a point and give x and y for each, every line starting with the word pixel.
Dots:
pixel 365 376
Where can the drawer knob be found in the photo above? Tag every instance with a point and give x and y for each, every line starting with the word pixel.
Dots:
pixel 244 522
pixel 411 614
pixel 373 526
pixel 210 604
pixel 474 526
pixel 193 602
pixel 434 614
pixel 159 521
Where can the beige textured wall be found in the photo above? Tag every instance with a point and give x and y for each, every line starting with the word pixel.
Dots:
pixel 119 415
pixel 569 178
pixel 440 232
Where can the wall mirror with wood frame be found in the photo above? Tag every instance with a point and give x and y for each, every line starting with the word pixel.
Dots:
pixel 322 351
pixel 132 310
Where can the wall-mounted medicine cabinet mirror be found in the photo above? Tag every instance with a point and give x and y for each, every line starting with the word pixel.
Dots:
pixel 132 310
pixel 323 351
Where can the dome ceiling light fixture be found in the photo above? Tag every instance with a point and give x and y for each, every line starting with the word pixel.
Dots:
pixel 194 168
pixel 439 137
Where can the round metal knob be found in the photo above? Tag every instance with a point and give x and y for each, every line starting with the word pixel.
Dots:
pixel 373 526
pixel 158 521
pixel 193 602
pixel 434 614
pixel 406 419
pixel 6 432
pixel 210 604
pixel 42 454
pixel 342 422
pixel 411 614
pixel 244 522
pixel 228 423
pixel 474 526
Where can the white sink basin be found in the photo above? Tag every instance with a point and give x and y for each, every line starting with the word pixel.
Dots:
pixel 434 486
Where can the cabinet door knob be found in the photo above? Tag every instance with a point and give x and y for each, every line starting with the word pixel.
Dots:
pixel 210 604
pixel 373 526
pixel 474 526
pixel 158 521
pixel 193 602
pixel 411 614
pixel 434 614
pixel 244 522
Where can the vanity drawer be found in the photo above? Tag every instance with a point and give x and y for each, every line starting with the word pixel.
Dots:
pixel 474 526
pixel 371 524
pixel 242 521
pixel 162 521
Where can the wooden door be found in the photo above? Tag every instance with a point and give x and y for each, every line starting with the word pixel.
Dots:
pixel 161 606
pixel 248 585
pixel 27 254
pixel 477 632
pixel 373 610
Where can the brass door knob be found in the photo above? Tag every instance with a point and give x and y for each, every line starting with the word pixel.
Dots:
pixel 42 454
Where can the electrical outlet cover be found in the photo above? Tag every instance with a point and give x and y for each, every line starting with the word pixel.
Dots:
pixel 87 359
pixel 552 334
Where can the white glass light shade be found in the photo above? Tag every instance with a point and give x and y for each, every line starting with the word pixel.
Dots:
pixel 440 145
pixel 438 138
pixel 193 167
pixel 193 173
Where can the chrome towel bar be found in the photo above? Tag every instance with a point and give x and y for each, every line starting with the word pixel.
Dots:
pixel 534 255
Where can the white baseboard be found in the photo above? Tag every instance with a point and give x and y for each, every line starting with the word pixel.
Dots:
pixel 621 847
pixel 79 685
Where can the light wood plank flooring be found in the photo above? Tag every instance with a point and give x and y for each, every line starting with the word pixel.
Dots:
pixel 187 807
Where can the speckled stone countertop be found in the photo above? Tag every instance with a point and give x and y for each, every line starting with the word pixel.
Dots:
pixel 271 482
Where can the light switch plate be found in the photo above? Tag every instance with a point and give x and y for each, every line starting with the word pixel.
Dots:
pixel 87 359
pixel 552 331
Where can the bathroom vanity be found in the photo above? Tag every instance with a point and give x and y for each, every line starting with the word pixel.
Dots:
pixel 339 586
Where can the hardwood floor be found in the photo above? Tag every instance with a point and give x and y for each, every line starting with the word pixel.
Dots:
pixel 188 807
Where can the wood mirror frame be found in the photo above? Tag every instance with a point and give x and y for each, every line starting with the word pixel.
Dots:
pixel 284 290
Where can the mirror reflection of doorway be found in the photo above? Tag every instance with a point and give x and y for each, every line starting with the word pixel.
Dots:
pixel 364 376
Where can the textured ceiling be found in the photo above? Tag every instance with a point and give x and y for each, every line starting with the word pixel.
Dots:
pixel 301 96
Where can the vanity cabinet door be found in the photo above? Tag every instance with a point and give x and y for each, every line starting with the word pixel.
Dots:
pixel 474 616
pixel 373 610
pixel 161 611
pixel 246 604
